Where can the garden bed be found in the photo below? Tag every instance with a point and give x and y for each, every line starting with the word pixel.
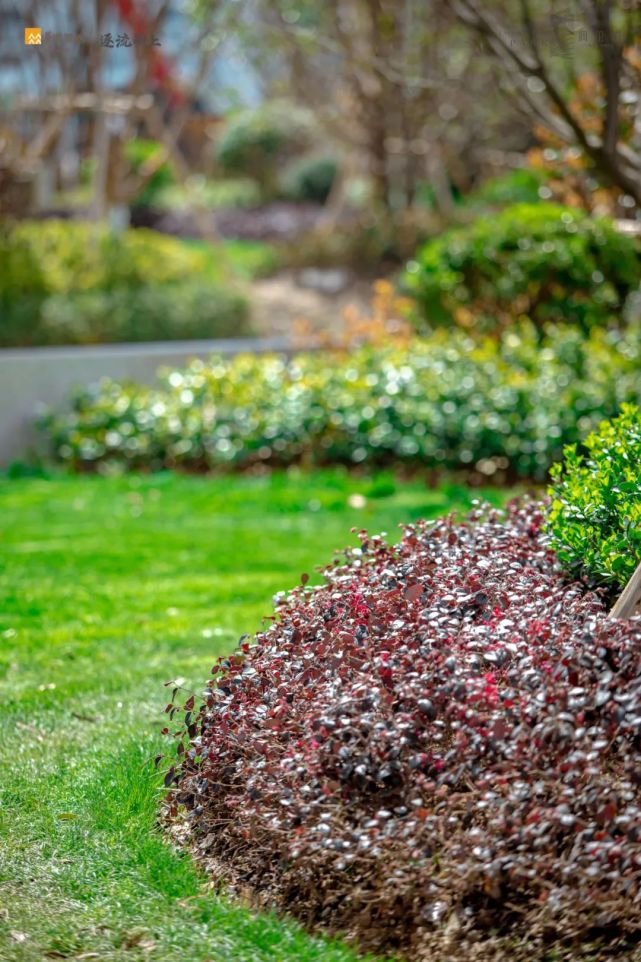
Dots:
pixel 496 407
pixel 278 221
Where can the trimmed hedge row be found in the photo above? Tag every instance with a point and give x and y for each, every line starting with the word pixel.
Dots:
pixel 64 282
pixel 193 309
pixel 498 406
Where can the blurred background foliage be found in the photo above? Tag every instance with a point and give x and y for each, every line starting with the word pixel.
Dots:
pixel 335 141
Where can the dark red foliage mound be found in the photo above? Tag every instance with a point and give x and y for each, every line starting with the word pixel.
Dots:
pixel 437 751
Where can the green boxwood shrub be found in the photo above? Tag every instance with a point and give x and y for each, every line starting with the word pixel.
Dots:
pixel 542 261
pixel 506 405
pixel 60 256
pixel 595 514
pixel 310 178
pixel 65 282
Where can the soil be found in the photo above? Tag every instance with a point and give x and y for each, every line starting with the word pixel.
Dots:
pixel 282 302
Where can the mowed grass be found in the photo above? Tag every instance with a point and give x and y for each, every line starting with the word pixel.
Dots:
pixel 108 588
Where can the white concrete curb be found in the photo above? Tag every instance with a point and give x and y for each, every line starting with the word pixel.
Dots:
pixel 31 378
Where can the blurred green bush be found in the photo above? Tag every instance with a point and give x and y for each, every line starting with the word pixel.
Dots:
pixel 257 142
pixel 500 406
pixel 310 178
pixel 64 282
pixel 520 186
pixel 595 515
pixel 180 311
pixel 541 261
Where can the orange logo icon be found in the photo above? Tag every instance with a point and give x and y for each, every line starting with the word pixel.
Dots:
pixel 33 36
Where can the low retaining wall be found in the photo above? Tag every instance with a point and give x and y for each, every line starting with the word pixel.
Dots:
pixel 33 378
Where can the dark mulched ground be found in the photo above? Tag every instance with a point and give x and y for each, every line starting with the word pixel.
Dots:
pixel 280 221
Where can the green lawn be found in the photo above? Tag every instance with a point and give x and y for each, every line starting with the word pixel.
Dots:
pixel 108 587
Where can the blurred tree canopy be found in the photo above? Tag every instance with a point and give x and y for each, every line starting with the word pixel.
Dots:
pixel 420 98
pixel 429 90
pixel 397 83
pixel 575 71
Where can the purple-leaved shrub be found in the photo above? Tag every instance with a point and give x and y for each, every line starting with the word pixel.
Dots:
pixel 437 751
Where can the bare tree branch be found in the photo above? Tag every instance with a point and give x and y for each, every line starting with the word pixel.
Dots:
pixel 618 164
